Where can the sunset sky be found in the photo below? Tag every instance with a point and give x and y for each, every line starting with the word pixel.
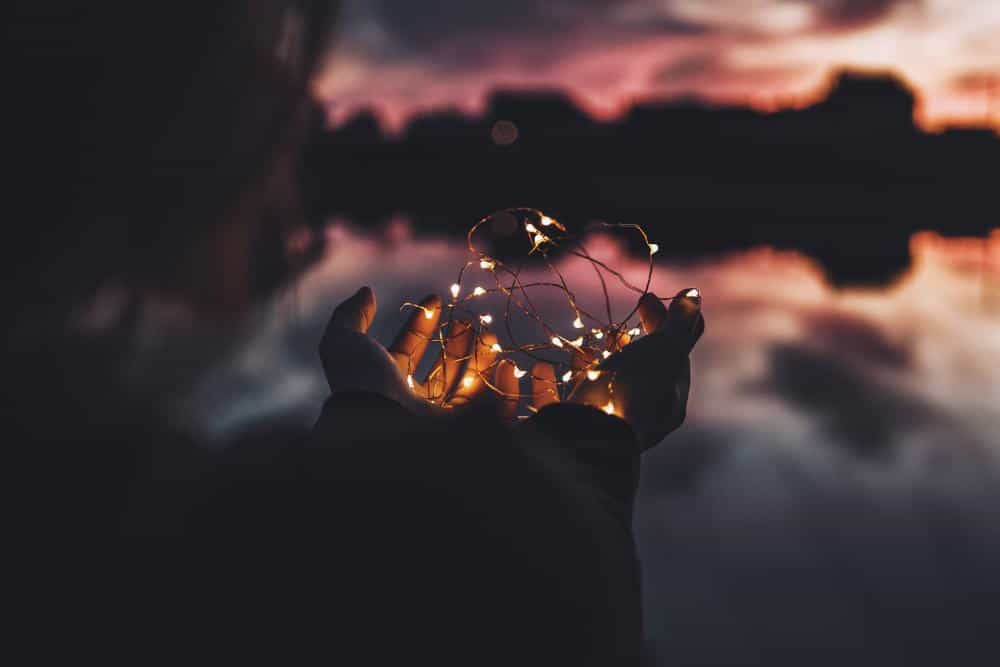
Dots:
pixel 403 57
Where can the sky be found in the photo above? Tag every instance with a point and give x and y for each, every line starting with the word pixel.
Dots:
pixel 402 57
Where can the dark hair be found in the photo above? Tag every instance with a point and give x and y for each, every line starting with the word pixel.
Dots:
pixel 137 126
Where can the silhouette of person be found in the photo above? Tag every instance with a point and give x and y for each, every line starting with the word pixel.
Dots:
pixel 394 532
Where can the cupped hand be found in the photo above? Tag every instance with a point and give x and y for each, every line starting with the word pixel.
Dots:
pixel 354 361
pixel 647 381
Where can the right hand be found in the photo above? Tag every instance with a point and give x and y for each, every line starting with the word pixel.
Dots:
pixel 647 382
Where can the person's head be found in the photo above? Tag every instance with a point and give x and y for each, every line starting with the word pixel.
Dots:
pixel 156 142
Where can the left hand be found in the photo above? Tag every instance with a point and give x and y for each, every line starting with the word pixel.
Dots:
pixel 354 361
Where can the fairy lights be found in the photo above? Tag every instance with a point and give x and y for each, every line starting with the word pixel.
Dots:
pixel 595 341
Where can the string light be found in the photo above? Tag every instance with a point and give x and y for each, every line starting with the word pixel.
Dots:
pixel 509 284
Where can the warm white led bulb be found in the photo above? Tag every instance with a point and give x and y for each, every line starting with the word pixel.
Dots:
pixel 455 289
pixel 540 239
pixel 467 381
pixel 557 341
pixel 429 313
pixel 518 373
pixel 654 248
pixel 578 323
pixel 409 381
pixel 610 408
pixel 479 291
pixel 486 319
pixel 530 228
pixel 693 294
pixel 496 348
pixel 487 264
pixel 593 375
pixel 546 221
pixel 605 354
pixel 567 376
pixel 635 331
pixel 598 334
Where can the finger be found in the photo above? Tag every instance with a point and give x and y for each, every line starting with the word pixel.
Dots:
pixel 684 318
pixel 411 343
pixel 652 312
pixel 445 374
pixel 481 360
pixel 544 390
pixel 510 388
pixel 357 313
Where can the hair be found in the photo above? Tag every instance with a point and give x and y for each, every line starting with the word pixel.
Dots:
pixel 145 136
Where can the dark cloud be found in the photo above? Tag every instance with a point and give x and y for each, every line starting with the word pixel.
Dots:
pixel 863 414
pixel 423 24
pixel 855 13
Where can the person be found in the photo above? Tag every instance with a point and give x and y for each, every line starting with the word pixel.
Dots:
pixel 397 530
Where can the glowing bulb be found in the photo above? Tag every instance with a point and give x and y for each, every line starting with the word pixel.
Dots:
pixel 487 264
pixel 593 375
pixel 578 323
pixel 546 221
pixel 486 319
pixel 409 381
pixel 557 341
pixel 540 239
pixel 496 348
pixel 567 376
pixel 467 381
pixel 455 289
pixel 429 313
pixel 598 334
pixel 693 294
pixel 530 228
pixel 605 354
pixel 610 408
pixel 634 332
pixel 479 291
pixel 518 373
pixel 654 248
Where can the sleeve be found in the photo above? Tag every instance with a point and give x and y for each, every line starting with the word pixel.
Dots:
pixel 599 451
